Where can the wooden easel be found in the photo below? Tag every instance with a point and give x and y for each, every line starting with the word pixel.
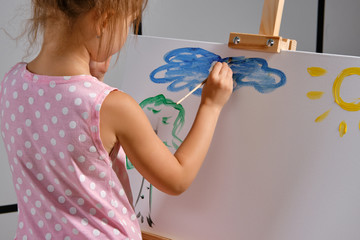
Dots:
pixel 268 39
pixel 150 236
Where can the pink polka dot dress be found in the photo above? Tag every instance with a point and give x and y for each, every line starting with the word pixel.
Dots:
pixel 67 185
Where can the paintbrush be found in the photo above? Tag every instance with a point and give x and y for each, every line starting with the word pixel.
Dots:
pixel 201 84
pixel 197 87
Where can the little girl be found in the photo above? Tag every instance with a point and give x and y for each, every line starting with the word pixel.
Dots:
pixel 66 132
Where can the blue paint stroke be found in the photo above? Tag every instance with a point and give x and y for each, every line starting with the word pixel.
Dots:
pixel 185 68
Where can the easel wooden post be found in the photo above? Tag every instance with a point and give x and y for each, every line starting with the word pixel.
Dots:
pixel 268 39
pixel 271 17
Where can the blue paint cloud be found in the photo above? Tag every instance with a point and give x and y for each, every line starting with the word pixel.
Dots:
pixel 185 68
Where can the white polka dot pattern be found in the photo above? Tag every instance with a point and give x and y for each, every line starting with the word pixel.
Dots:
pixel 63 177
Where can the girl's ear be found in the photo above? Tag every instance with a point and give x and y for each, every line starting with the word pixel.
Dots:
pixel 102 21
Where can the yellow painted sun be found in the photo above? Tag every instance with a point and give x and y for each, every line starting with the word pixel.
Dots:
pixel 348 106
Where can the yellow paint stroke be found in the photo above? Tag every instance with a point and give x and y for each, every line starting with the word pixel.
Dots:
pixel 322 116
pixel 316 71
pixel 313 95
pixel 342 128
pixel 336 89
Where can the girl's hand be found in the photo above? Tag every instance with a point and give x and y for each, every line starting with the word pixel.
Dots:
pixel 98 69
pixel 218 87
pixel 169 173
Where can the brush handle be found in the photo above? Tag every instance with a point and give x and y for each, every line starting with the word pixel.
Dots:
pixel 197 87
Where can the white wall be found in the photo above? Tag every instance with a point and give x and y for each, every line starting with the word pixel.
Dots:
pixel 8 224
pixel 13 15
pixel 203 20
pixel 213 20
pixel 342 27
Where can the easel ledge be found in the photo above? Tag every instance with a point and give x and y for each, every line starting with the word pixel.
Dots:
pixel 268 39
pixel 150 236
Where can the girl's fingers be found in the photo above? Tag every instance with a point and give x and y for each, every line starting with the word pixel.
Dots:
pixel 216 69
pixel 222 73
pixel 224 69
pixel 230 76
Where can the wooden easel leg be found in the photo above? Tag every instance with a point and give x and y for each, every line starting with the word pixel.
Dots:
pixel 150 236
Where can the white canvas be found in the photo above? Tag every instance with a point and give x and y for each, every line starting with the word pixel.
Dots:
pixel 272 171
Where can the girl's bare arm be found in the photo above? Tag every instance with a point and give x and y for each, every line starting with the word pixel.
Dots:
pixel 123 120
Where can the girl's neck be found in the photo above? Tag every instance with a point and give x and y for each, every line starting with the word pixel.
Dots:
pixel 61 55
pixel 52 64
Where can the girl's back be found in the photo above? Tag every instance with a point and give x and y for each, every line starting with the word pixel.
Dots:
pixel 61 171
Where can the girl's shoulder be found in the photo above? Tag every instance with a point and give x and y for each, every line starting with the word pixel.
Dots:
pixel 14 69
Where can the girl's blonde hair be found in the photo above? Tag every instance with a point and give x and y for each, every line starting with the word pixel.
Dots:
pixel 45 11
